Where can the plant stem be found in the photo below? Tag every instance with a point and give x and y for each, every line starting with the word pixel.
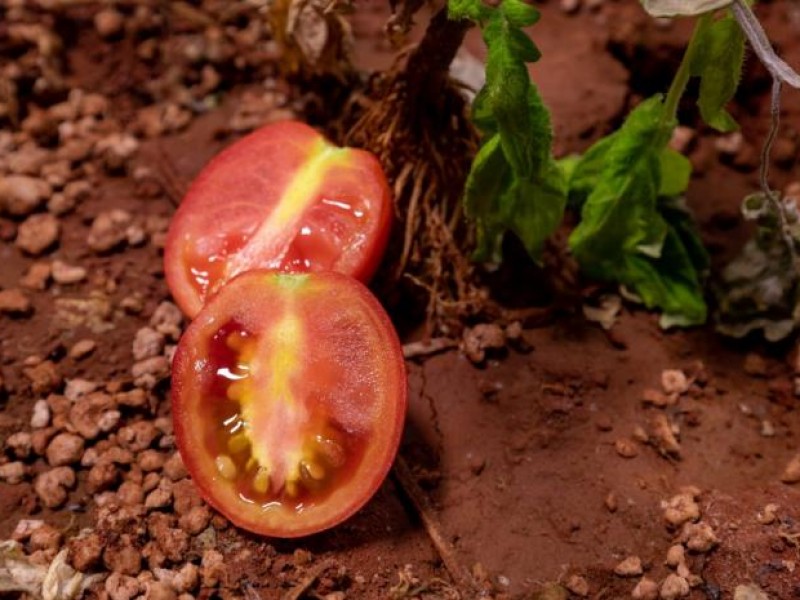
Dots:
pixel 429 63
pixel 681 79
pixel 761 45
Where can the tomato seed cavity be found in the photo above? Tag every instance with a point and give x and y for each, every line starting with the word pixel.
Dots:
pixel 310 469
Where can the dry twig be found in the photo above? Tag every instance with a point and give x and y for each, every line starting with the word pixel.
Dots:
pixel 405 479
pixel 303 586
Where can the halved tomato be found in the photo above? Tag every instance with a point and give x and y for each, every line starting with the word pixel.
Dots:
pixel 281 198
pixel 288 399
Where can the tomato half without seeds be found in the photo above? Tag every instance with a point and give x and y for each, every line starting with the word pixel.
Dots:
pixel 288 400
pixel 282 198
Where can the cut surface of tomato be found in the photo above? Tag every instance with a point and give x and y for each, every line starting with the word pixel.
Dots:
pixel 288 400
pixel 281 198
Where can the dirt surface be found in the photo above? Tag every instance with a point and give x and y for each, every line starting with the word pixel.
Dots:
pixel 576 461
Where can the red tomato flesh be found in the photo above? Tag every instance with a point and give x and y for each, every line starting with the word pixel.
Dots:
pixel 288 399
pixel 281 198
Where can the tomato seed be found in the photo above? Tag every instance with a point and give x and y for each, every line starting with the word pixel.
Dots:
pixel 236 340
pixel 332 451
pixel 312 469
pixel 226 466
pixel 238 443
pixel 261 481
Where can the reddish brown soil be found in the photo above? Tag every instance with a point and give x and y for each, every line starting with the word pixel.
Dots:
pixel 517 457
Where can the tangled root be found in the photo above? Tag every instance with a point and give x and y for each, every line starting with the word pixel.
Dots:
pixel 414 119
pixel 425 146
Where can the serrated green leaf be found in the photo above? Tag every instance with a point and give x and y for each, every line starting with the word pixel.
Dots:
pixel 718 62
pixel 522 119
pixel 676 170
pixel 519 13
pixel 514 184
pixel 624 195
pixel 622 235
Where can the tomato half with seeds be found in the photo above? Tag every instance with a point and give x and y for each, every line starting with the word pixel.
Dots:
pixel 281 198
pixel 288 400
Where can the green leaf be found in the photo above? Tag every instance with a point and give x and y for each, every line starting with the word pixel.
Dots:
pixel 584 177
pixel 514 184
pixel 718 63
pixel 499 202
pixel 482 115
pixel 614 217
pixel 537 209
pixel 676 170
pixel 521 46
pixel 511 99
pixel 622 235
pixel 475 10
pixel 487 184
pixel 519 13
pixel 679 218
pixel 670 283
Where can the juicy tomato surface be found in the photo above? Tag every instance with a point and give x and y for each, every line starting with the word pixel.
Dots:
pixel 288 400
pixel 281 198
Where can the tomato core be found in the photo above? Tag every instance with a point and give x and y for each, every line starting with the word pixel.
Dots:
pixel 311 454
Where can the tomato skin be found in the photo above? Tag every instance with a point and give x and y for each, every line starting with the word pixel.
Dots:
pixel 280 198
pixel 353 383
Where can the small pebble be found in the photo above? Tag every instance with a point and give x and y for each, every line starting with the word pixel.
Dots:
pixel 630 567
pixel 38 233
pixel 108 230
pixel 41 414
pixel 675 556
pixel 569 6
pixel 699 537
pixel 791 474
pixel 15 303
pixel 21 195
pixel 768 515
pixel 578 586
pixel 82 349
pixel 749 591
pixel 13 472
pixel 674 587
pixel 674 381
pixel 664 435
pixel 108 22
pixel 36 277
pixel 626 448
pixel 65 449
pixel 681 508
pixel 611 503
pixel 65 274
pixel 646 589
